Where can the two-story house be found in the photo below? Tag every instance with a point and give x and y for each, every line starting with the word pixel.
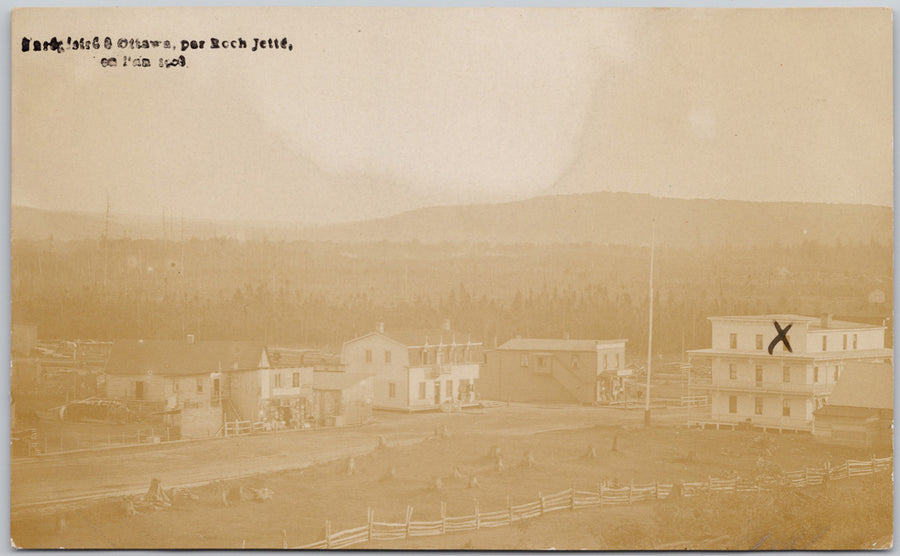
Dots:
pixel 550 370
pixel 416 369
pixel 781 390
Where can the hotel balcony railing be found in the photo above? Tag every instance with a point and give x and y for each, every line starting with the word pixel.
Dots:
pixel 767 387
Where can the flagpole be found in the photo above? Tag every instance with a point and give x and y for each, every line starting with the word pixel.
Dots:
pixel 650 329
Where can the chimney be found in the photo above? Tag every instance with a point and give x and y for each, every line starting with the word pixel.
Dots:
pixel 446 324
pixel 379 327
pixel 190 338
pixel 826 320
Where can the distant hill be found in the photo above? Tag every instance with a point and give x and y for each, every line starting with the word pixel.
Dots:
pixel 604 218
pixel 624 218
pixel 38 224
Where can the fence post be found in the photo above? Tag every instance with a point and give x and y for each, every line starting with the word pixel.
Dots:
pixel 327 534
pixel 108 438
pixel 656 489
pixel 600 490
pixel 509 510
pixel 541 496
pixel 370 515
pixel 873 464
pixel 572 504
pixel 630 491
pixel 477 517
pixel 283 539
pixel 409 511
pixel 443 517
pixel 709 482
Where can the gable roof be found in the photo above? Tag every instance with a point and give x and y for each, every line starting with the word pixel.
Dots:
pixel 541 344
pixel 869 385
pixel 419 337
pixel 431 336
pixel 174 357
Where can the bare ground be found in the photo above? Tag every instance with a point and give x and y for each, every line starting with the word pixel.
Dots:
pixel 305 498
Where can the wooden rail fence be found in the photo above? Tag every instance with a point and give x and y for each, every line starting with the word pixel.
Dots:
pixel 572 499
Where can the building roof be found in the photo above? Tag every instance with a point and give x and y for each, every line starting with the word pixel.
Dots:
pixel 430 336
pixel 814 323
pixel 842 355
pixel 330 380
pixel 178 357
pixel 868 385
pixel 540 344
pixel 287 358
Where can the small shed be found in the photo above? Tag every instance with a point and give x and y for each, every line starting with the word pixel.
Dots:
pixel 344 398
pixel 860 410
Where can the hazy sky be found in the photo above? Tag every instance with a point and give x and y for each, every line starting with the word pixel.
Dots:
pixel 375 111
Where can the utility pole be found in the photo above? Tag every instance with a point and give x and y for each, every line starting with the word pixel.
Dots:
pixel 650 329
pixel 106 245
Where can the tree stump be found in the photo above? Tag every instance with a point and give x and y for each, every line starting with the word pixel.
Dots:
pixel 473 482
pixel 382 443
pixel 457 474
pixel 438 484
pixel 351 466
pixel 391 474
pixel 592 453
pixel 528 460
pixel 495 451
pixel 156 496
pixel 499 464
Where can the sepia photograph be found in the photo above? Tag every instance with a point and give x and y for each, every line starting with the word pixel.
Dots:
pixel 407 278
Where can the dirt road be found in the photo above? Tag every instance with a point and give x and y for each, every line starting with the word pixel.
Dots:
pixel 56 479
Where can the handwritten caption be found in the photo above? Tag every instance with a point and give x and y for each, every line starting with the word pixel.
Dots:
pixel 144 53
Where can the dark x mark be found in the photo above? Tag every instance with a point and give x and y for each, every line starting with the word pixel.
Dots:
pixel 781 337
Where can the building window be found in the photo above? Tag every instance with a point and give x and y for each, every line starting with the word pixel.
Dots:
pixel 450 389
pixel 277 378
pixel 387 356
pixel 295 380
pixel 786 409
pixel 422 389
pixel 618 361
pixel 175 386
pixel 824 343
pixel 854 341
pixel 540 361
pixel 815 374
pixel 523 360
pixel 786 374
pixel 758 406
pixel 733 341
pixel 759 341
pixel 368 356
pixel 732 404
pixel 200 385
pixel 424 356
pixel 392 390
pixel 605 361
pixel 484 356
pixel 732 371
pixel 845 342
pixel 759 375
pixel 574 363
pixel 836 374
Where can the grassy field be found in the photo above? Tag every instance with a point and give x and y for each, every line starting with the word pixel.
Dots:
pixel 304 499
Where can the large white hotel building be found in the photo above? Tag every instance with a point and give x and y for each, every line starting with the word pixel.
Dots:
pixel 781 390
